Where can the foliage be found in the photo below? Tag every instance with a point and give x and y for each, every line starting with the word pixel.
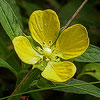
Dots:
pixel 14 15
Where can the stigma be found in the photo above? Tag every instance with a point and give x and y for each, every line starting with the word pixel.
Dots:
pixel 47 51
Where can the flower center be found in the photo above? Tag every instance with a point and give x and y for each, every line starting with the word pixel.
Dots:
pixel 47 51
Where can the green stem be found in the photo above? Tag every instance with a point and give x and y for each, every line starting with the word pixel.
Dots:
pixel 24 84
pixel 48 88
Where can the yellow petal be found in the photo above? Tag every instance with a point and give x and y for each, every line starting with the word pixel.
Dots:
pixel 25 51
pixel 44 26
pixel 72 42
pixel 59 71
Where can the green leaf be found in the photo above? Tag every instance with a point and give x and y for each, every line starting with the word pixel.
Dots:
pixel 16 8
pixel 9 20
pixel 92 54
pixel 43 83
pixel 96 90
pixel 6 65
pixel 78 88
pixel 82 89
pixel 92 69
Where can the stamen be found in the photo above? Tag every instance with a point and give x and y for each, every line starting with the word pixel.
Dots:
pixel 44 44
pixel 50 42
pixel 54 47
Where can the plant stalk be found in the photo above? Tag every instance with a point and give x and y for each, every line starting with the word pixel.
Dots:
pixel 75 14
pixel 24 84
pixel 49 88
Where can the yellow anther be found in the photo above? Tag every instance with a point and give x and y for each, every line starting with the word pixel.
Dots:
pixel 50 42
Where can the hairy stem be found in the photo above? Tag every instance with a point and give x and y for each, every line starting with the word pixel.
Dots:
pixel 75 14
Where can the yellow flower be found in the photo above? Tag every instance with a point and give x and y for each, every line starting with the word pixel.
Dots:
pixel 44 27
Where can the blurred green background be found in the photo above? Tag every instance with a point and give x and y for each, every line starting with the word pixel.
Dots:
pixel 89 16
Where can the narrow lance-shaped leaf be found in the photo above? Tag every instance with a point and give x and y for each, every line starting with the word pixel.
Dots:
pixel 16 9
pixel 9 20
pixel 92 54
pixel 71 86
